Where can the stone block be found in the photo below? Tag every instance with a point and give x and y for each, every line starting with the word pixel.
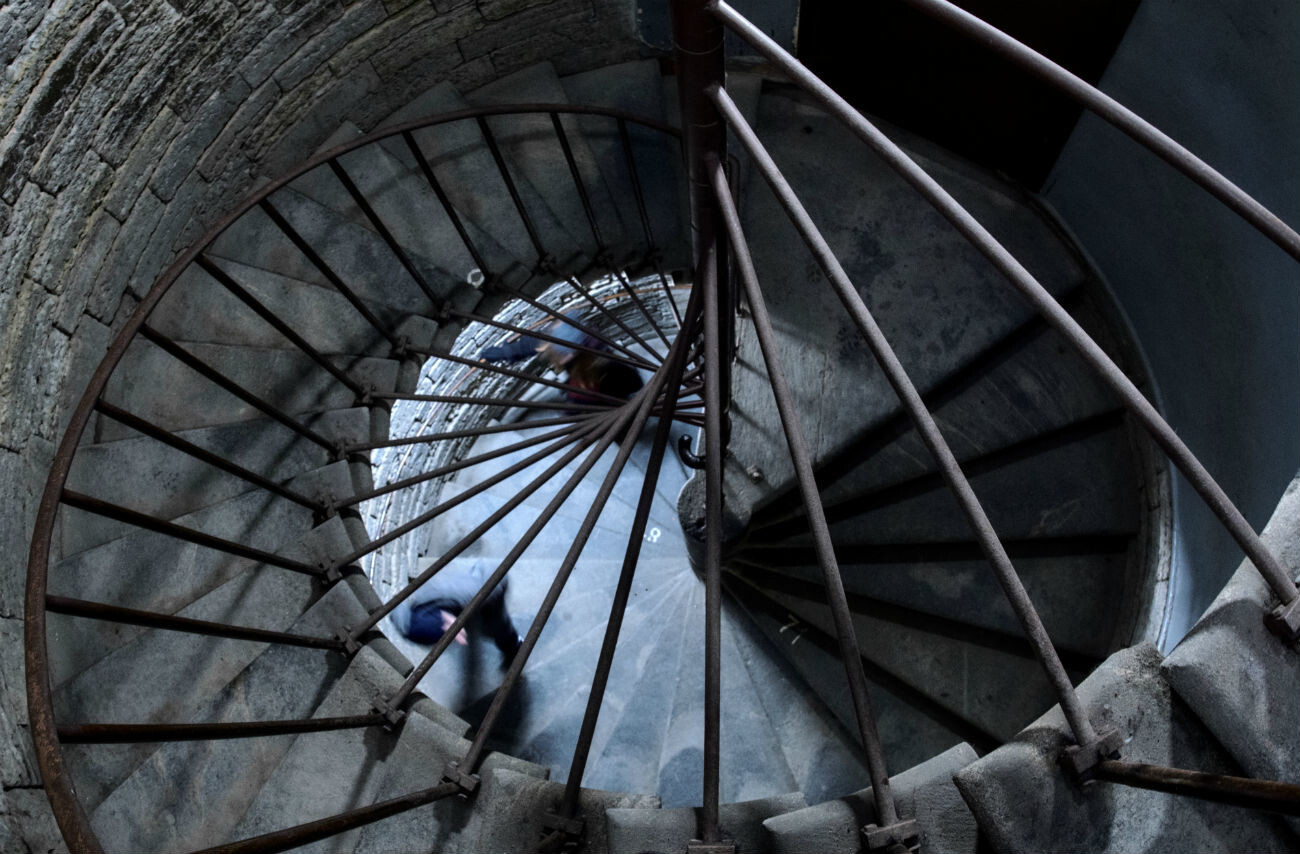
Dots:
pixel 511 26
pixel 17 753
pixel 1023 800
pixel 1241 680
pixel 56 91
pixel 114 276
pixel 924 792
pixel 229 144
pixel 67 228
pixel 189 46
pixel 280 43
pixel 27 823
pixel 32 211
pixel 313 53
pixel 22 480
pixel 188 146
pixel 651 831
pixel 318 112
pixel 512 807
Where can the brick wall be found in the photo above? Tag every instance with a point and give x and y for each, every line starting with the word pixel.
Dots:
pixel 130 127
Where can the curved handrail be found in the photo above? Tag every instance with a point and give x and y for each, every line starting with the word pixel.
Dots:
pixel 68 811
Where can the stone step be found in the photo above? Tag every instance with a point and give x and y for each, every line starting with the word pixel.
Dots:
pixel 1023 801
pixel 636 87
pixel 221 778
pixel 544 716
pixel 994 689
pixel 911 729
pixel 1080 617
pixel 1230 666
pixel 464 167
pixel 511 807
pixel 668 831
pixel 936 299
pixel 289 380
pixel 533 150
pixel 355 254
pixel 200 310
pixel 179 483
pixel 628 755
pixel 1052 494
pixel 168 677
pixel 825 760
pixel 318 776
pixel 970 405
pixel 923 792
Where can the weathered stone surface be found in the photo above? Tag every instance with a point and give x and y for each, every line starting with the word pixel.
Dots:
pixel 1024 802
pixel 27 823
pixel 924 792
pixel 59 86
pixel 355 21
pixel 254 110
pixel 184 151
pixel 17 754
pixel 512 807
pixel 642 831
pixel 281 42
pixel 1238 678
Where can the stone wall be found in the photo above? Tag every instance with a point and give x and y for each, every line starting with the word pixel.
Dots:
pixel 130 127
pixel 1213 302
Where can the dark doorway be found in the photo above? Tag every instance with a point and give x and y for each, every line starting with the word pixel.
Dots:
pixel 893 62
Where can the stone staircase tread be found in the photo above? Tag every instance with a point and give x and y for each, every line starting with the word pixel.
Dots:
pixel 193 401
pixel 531 146
pixel 923 792
pixel 669 830
pixel 511 808
pixel 1230 667
pixel 200 310
pixel 1024 803
pixel 825 760
pixel 161 676
pixel 283 683
pixel 357 255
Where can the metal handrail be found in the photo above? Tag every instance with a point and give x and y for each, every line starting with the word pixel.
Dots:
pixel 69 813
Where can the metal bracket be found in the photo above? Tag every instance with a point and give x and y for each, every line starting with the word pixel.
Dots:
pixel 1080 759
pixel 905 833
pixel 393 716
pixel 695 846
pixel 332 574
pixel 570 827
pixel 1284 621
pixel 468 783
pixel 350 644
pixel 690 459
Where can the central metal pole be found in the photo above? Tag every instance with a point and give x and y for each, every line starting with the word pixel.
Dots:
pixel 697 42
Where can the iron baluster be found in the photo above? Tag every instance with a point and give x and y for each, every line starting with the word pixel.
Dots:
pixel 887 816
pixel 1285 619
pixel 631 360
pixel 138 733
pixel 403 257
pixel 427 438
pixel 151 619
pixel 1112 111
pixel 153 431
pixel 464 463
pixel 543 257
pixel 210 373
pixel 314 258
pixel 1090 745
pixel 447 206
pixel 228 282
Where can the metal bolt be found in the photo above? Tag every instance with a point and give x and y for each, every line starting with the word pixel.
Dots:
pixel 755 474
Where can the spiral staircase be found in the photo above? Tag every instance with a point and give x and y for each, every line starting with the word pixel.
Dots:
pixel 294 432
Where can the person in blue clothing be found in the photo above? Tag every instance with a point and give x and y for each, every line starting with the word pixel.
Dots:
pixel 586 371
pixel 429 612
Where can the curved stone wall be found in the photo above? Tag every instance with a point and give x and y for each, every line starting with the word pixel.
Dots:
pixel 130 127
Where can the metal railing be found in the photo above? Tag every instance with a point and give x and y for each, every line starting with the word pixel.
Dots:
pixel 703 343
